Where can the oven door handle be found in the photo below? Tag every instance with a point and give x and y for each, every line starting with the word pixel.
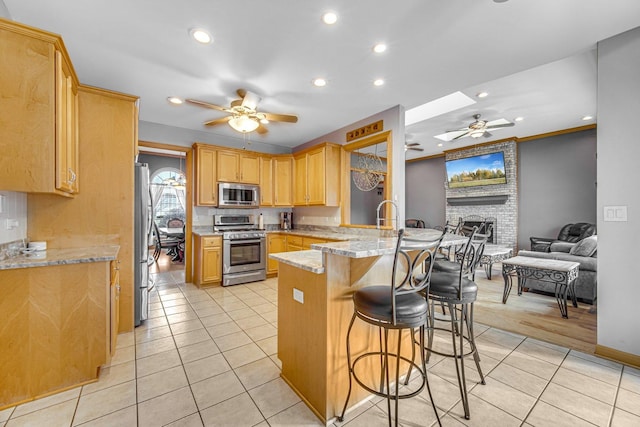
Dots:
pixel 244 240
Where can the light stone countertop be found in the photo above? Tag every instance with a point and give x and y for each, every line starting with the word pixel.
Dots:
pixel 365 247
pixel 310 260
pixel 61 257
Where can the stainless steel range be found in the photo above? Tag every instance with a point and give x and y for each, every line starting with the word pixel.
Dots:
pixel 244 249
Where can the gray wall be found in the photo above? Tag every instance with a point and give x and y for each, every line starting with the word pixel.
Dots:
pixel 618 156
pixel 425 190
pixel 557 178
pixel 159 162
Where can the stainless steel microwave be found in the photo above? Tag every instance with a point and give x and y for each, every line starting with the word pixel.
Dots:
pixel 233 195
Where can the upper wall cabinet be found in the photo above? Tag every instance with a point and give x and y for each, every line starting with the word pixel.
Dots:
pixel 38 112
pixel 238 167
pixel 206 162
pixel 275 180
pixel 316 176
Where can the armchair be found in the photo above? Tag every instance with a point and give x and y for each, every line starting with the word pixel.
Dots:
pixel 570 233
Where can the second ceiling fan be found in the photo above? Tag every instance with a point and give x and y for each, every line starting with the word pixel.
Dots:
pixel 243 114
pixel 476 129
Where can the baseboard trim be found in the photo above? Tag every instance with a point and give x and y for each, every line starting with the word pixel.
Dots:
pixel 617 355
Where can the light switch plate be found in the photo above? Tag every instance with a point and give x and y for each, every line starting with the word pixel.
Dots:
pixel 615 213
pixel 298 295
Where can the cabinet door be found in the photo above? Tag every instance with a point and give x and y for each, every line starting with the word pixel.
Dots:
pixel 249 166
pixel 282 168
pixel 266 181
pixel 300 180
pixel 316 177
pixel 211 264
pixel 66 127
pixel 275 243
pixel 206 177
pixel 228 166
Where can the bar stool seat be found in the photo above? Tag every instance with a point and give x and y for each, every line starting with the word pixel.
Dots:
pixel 398 306
pixel 446 285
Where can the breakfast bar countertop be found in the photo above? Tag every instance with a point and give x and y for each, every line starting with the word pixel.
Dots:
pixel 61 257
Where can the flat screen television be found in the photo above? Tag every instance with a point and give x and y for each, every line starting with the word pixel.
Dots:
pixel 485 169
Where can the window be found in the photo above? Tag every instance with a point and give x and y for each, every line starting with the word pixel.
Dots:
pixel 168 193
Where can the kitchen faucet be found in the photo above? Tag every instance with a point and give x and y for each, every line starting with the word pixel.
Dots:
pixel 379 220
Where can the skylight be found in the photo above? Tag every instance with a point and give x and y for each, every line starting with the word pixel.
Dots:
pixel 437 107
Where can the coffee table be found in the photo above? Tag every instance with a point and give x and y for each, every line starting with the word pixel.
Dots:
pixel 493 254
pixel 562 273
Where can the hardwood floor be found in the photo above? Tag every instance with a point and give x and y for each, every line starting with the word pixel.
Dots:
pixel 534 315
pixel 165 264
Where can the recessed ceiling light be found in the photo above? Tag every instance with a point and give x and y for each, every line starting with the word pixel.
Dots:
pixel 482 94
pixel 201 36
pixel 585 118
pixel 378 82
pixel 518 119
pixel 175 100
pixel 379 48
pixel 440 145
pixel 319 82
pixel 329 18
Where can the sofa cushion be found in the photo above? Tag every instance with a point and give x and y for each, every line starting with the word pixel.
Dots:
pixel 560 246
pixel 585 247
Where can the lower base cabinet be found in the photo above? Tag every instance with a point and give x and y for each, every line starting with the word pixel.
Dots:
pixel 208 260
pixel 287 243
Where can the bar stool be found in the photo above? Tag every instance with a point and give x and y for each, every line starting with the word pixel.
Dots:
pixel 398 307
pixel 453 287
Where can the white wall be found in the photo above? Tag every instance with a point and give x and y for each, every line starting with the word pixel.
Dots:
pixel 4 12
pixel 618 157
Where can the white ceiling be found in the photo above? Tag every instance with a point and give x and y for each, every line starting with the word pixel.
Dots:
pixel 535 58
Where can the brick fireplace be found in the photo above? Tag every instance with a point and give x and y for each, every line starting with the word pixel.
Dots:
pixel 494 202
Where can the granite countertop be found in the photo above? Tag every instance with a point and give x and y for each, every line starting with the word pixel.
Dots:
pixel 310 260
pixel 61 256
pixel 204 232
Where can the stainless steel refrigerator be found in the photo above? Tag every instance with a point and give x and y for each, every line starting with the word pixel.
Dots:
pixel 143 215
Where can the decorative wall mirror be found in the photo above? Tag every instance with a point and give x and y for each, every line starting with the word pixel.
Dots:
pixel 367 163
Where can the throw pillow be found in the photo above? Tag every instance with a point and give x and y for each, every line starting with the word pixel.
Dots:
pixel 585 247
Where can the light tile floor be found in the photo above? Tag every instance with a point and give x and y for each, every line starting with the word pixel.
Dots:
pixel 209 357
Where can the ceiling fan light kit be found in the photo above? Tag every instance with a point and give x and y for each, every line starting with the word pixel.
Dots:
pixel 243 123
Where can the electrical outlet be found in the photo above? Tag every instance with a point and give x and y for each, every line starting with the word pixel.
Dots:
pixel 298 295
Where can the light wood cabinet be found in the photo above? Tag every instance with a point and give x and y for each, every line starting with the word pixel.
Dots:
pixel 238 167
pixel 276 181
pixel 114 316
pixel 317 176
pixel 275 243
pixel 206 163
pixel 266 181
pixel 282 179
pixel 39 111
pixel 208 260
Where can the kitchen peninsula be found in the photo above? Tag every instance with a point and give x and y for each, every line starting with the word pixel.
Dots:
pixel 315 289
pixel 58 320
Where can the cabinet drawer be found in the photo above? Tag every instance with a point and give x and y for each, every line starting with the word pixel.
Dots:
pixel 211 241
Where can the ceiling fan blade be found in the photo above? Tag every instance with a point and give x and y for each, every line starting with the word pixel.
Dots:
pixel 206 104
pixel 281 117
pixel 261 129
pixel 416 149
pixel 217 121
pixel 241 93
pixel 462 135
pixel 250 100
pixel 412 144
pixel 457 130
pixel 487 134
pixel 505 125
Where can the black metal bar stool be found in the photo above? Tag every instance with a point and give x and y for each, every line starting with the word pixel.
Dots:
pixel 398 307
pixel 453 287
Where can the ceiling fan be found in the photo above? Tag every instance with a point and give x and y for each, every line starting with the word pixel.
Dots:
pixel 476 129
pixel 412 146
pixel 243 114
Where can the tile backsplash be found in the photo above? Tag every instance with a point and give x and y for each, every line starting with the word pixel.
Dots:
pixel 13 216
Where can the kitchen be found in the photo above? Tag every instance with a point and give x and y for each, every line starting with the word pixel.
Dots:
pixel 110 225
